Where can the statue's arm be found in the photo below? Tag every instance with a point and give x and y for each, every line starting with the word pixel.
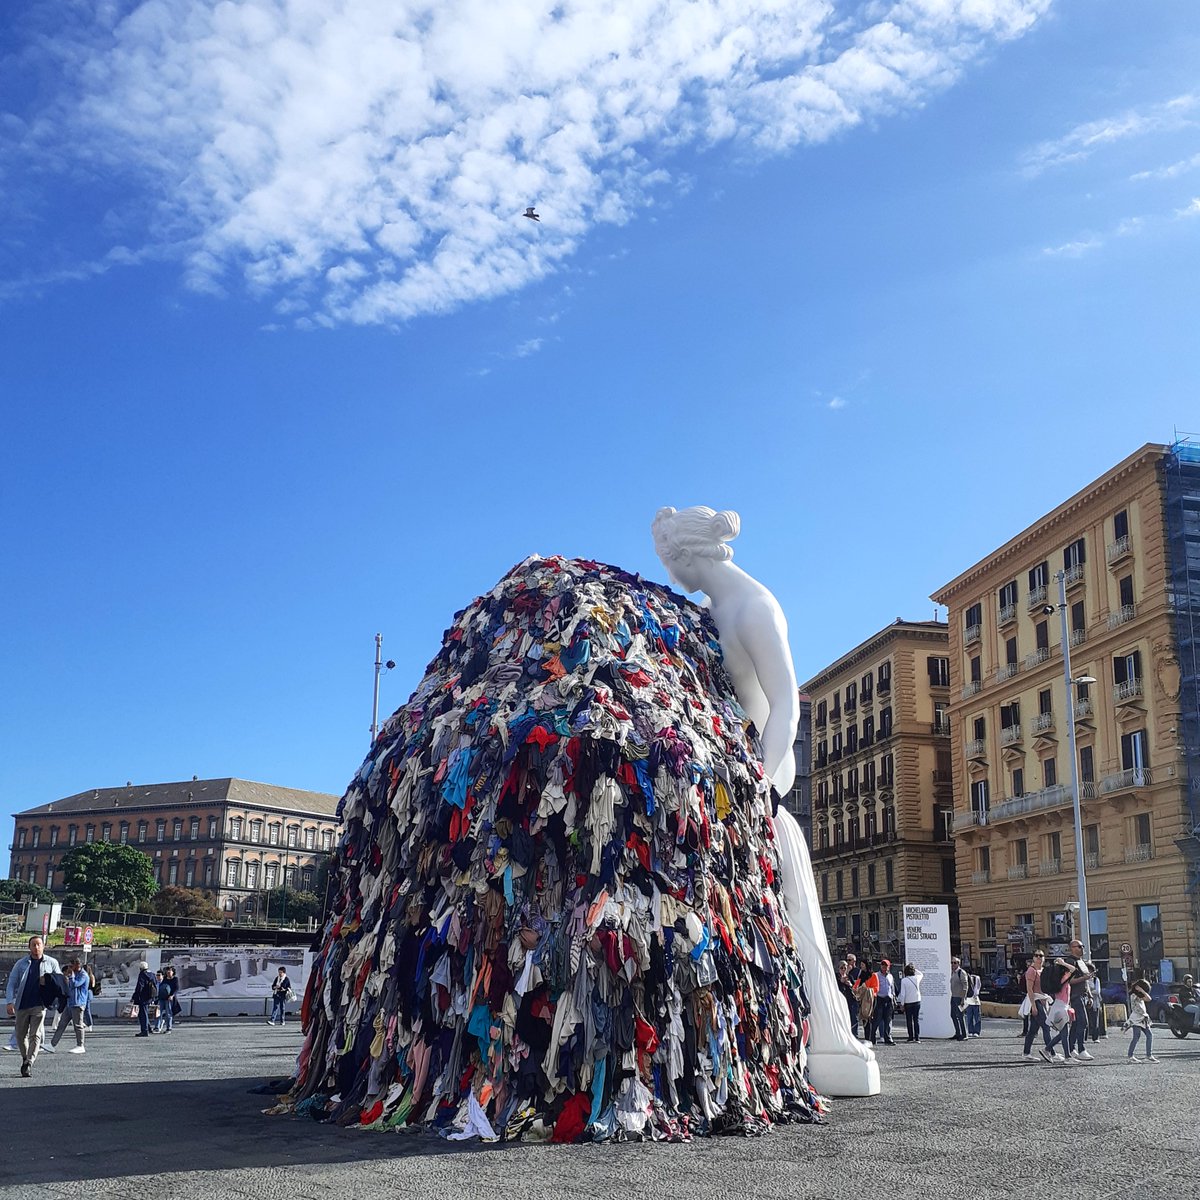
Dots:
pixel 764 635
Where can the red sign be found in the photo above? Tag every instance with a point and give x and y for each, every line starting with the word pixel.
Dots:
pixel 71 935
pixel 45 923
pixel 87 935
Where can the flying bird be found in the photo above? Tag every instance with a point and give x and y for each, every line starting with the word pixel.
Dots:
pixel 531 214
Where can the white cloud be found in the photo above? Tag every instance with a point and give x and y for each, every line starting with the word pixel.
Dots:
pixel 837 402
pixel 525 349
pixel 368 160
pixel 1075 249
pixel 1190 210
pixel 1171 171
pixel 1083 141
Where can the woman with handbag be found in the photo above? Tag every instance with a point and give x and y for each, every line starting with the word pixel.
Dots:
pixel 281 990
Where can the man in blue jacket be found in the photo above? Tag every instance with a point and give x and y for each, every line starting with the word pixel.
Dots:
pixel 31 986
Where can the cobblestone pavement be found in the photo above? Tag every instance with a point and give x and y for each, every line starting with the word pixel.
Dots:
pixel 173 1115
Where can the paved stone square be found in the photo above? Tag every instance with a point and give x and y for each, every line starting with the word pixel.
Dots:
pixel 173 1115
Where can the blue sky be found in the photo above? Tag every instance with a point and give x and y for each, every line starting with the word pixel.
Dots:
pixel 283 366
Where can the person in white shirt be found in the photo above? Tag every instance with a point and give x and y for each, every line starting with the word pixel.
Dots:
pixel 971 1008
pixel 910 1000
pixel 885 1003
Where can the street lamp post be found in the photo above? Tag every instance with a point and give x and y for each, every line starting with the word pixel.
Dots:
pixel 380 667
pixel 1085 929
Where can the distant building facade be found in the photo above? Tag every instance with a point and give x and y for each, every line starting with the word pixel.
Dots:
pixel 798 801
pixel 881 786
pixel 1128 550
pixel 230 838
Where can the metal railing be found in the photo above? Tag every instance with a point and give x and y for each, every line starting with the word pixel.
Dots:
pixel 1078 637
pixel 981 877
pixel 1042 722
pixel 967 819
pixel 1118 549
pixel 1037 595
pixel 1142 852
pixel 1091 861
pixel 1010 734
pixel 971 634
pixel 1019 871
pixel 1007 613
pixel 1122 616
pixel 1006 671
pixel 1020 806
pixel 976 748
pixel 1050 866
pixel 1132 778
pixel 940 728
pixel 1084 709
pixel 972 688
pixel 1131 689
pixel 1074 574
pixel 1036 657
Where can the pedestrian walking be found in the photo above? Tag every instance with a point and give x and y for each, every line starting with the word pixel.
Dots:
pixel 144 992
pixel 972 1009
pixel 910 1000
pixel 847 990
pixel 77 1002
pixel 959 982
pixel 30 990
pixel 1080 986
pixel 281 990
pixel 1038 1005
pixel 864 993
pixel 165 1017
pixel 1058 1016
pixel 1139 1021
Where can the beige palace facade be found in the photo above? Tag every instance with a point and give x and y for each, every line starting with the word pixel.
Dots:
pixel 881 786
pixel 1127 599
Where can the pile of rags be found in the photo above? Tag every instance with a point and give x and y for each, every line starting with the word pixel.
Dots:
pixel 556 908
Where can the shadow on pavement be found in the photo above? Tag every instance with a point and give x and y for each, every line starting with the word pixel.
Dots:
pixel 107 1131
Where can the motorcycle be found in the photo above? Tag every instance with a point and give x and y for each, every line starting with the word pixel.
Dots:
pixel 1180 1021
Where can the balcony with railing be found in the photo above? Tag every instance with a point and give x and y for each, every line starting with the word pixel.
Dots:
pixel 1078 637
pixel 885 686
pixel 972 688
pixel 1018 871
pixel 1036 597
pixel 1035 658
pixel 1143 852
pixel 1007 614
pixel 1030 802
pixel 976 748
pixel 1087 789
pixel 1128 692
pixel 940 728
pixel 1043 722
pixel 1006 671
pixel 1010 735
pixel 1084 709
pixel 1091 861
pixel 1074 575
pixel 972 634
pixel 942 778
pixel 978 877
pixel 1122 616
pixel 1120 781
pixel 1119 549
pixel 1050 866
pixel 967 819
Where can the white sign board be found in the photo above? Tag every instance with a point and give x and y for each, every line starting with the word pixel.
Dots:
pixel 927 947
pixel 43 918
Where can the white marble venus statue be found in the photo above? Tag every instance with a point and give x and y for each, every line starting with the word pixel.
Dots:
pixel 692 544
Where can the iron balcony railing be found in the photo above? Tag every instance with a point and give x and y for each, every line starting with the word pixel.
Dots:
pixel 981 877
pixel 1131 689
pixel 1010 734
pixel 971 634
pixel 972 688
pixel 1118 549
pixel 1133 777
pixel 1019 871
pixel 968 819
pixel 1006 671
pixel 1074 575
pixel 1008 612
pixel 1037 595
pixel 1030 802
pixel 1084 709
pixel 1078 637
pixel 1050 866
pixel 941 728
pixel 1091 861
pixel 976 748
pixel 1142 852
pixel 1036 657
pixel 1043 722
pixel 1122 616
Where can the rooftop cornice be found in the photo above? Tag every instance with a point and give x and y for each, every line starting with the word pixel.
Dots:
pixel 1150 452
pixel 917 631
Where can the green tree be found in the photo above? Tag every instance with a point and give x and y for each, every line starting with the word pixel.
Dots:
pixel 20 889
pixel 286 904
pixel 184 902
pixel 108 875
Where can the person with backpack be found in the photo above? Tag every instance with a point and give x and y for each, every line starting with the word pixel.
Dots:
pixel 959 982
pixel 1080 995
pixel 1056 983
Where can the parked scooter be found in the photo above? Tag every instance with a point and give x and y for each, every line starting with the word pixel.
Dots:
pixel 1182 1021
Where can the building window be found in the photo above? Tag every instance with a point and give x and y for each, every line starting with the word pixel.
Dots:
pixel 980 801
pixel 50 876
pixel 870 879
pixel 1008 597
pixel 1049 772
pixel 72 834
pixel 235 828
pixel 987 928
pixel 1041 637
pixel 289 877
pixel 1075 555
pixel 208 874
pixel 173 873
pixel 1039 577
pixel 887 875
pixel 306 879
pixel 1091 844
pixel 1010 652
pixel 1125 588
pixel 980 728
pixel 889 821
pixel 1078 622
pixel 1141 830
pixel 232 870
pixel 973 617
pixel 1020 851
pixel 939 671
pixel 1045 702
pixel 852 739
pixel 292 835
pixel 1018 781
pixel 53 835
pixel 256 828
pixel 271 871
pixel 21 840
pixel 194 828
pixel 976 669
pixel 273 834
pixel 252 875
pixel 106 831
pixel 229 904
pixel 212 829
pixel 866 687
pixel 160 830
pixel 883 681
pixel 1010 715
pixel 189 873
pixel 838 881
pixel 177 829
pixel 141 831
pixel 124 833
pixel 1149 936
pixel 1120 525
pixel 90 833
pixel 948 874
pixel 1052 847
pixel 825 887
pixel 310 839
pixel 1135 751
pixel 983 860
pixel 885 723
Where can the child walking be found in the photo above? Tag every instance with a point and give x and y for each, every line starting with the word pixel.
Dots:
pixel 1139 1021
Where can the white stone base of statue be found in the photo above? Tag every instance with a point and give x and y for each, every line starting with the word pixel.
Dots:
pixel 838 1063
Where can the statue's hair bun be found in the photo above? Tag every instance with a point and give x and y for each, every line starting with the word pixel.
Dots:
pixel 725 526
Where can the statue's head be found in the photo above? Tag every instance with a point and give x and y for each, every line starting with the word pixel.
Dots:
pixel 688 540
